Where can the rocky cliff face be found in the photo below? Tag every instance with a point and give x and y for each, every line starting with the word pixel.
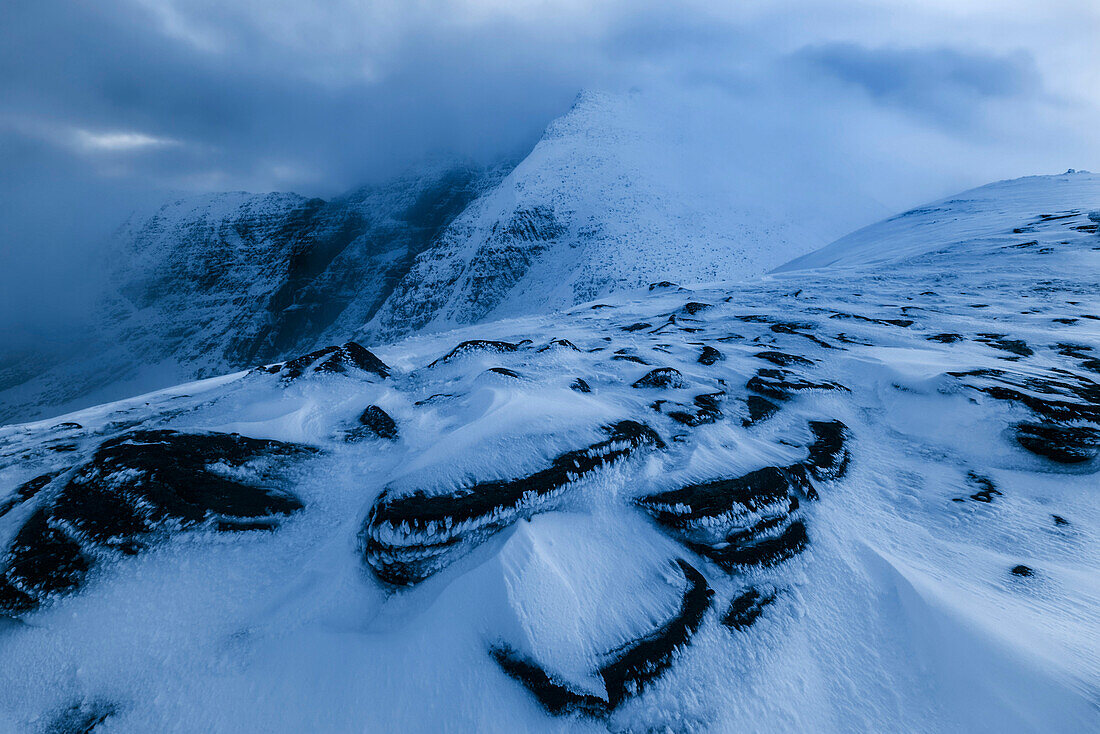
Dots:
pixel 215 283
pixel 249 279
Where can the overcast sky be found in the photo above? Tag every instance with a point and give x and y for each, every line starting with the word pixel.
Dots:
pixel 108 104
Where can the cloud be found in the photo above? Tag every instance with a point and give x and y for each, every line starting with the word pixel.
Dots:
pixel 940 84
pixel 120 141
pixel 110 104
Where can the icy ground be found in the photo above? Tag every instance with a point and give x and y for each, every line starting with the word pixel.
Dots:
pixel 857 498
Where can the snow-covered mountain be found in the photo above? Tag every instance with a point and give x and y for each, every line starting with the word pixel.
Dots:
pixel 623 190
pixel 855 495
pixel 970 216
pixel 208 284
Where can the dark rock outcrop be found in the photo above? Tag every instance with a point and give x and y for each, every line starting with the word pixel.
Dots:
pixel 630 668
pixel 408 537
pixel 478 345
pixel 135 489
pixel 374 423
pixel 747 607
pixel 333 360
pixel 1065 444
pixel 751 519
pixel 662 377
pixel 781 384
pixel 710 356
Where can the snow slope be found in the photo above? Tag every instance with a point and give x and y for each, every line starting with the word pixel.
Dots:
pixel 970 216
pixel 856 498
pixel 623 190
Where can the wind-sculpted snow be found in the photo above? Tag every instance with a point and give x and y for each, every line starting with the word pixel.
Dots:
pixel 872 507
pixel 407 534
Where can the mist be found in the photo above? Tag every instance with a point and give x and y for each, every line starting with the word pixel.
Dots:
pixel 109 107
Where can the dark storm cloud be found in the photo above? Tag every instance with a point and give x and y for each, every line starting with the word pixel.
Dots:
pixel 249 114
pixel 942 84
pixel 110 104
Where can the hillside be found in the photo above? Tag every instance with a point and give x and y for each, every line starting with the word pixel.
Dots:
pixel 860 496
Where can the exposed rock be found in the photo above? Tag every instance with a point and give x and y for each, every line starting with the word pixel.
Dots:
pixel 580 385
pixel 727 519
pixel 662 377
pixel 218 282
pixel 648 658
pixel 710 355
pixel 1066 444
pixel 706 409
pixel 986 490
pixel 946 338
pixel 408 537
pixel 881 322
pixel 998 341
pixel 333 360
pixel 759 409
pixel 560 344
pixel 1059 396
pixel 784 360
pixel 749 520
pixel 552 693
pixel 692 308
pixel 437 397
pixel 26 491
pixel 747 607
pixel 829 455
pixel 478 345
pixel 136 488
pixel 81 718
pixel 376 423
pixel 780 384
pixel 630 668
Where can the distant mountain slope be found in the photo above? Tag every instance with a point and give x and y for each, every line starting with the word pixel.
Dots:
pixel 618 193
pixel 211 283
pixel 253 278
pixel 971 215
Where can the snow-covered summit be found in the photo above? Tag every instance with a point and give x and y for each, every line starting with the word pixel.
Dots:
pixel 623 190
